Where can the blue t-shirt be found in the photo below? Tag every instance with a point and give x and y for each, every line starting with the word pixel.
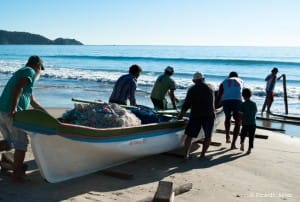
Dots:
pixel 232 88
pixel 24 101
pixel 271 81
pixel 124 89
pixel 248 110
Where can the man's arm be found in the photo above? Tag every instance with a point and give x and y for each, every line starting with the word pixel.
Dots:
pixel 282 75
pixel 132 94
pixel 35 104
pixel 186 105
pixel 220 94
pixel 16 94
pixel 173 98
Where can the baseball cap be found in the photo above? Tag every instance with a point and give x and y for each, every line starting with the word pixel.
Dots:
pixel 275 69
pixel 33 60
pixel 198 76
pixel 169 69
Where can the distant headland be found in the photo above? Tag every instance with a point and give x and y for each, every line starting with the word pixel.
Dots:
pixel 7 37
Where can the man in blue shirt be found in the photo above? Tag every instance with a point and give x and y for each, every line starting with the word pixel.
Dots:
pixel 125 87
pixel 17 96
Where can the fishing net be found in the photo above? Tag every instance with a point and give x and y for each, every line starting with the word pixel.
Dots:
pixel 100 116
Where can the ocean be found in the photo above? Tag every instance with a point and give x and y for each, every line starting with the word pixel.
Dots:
pixel 89 72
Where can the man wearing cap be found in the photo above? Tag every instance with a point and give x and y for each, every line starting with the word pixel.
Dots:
pixel 200 99
pixel 271 81
pixel 230 92
pixel 163 85
pixel 17 96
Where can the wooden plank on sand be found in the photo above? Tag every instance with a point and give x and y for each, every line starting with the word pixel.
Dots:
pixel 286 116
pixel 164 192
pixel 212 143
pixel 282 120
pixel 256 136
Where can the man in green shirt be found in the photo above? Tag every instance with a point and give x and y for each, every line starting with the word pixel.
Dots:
pixel 17 96
pixel 163 85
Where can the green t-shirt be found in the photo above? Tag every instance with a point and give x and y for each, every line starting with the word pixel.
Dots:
pixel 248 110
pixel 161 87
pixel 24 101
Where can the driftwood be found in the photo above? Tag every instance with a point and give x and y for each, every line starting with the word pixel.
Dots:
pixel 183 188
pixel 256 136
pixel 177 191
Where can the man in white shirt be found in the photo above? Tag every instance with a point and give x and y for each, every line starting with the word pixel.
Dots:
pixel 271 81
pixel 230 92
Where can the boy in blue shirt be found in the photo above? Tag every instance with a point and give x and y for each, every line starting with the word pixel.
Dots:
pixel 248 112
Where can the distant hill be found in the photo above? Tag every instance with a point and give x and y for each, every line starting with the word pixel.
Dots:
pixel 7 37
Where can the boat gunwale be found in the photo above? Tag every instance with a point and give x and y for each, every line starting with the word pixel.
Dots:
pixel 71 130
pixel 46 124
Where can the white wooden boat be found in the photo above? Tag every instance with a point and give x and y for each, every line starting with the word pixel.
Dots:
pixel 65 151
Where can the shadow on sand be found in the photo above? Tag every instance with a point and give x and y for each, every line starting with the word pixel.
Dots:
pixel 146 170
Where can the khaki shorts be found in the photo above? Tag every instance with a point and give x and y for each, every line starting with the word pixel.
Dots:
pixel 15 137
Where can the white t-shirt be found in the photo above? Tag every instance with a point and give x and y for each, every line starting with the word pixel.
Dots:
pixel 271 80
pixel 232 88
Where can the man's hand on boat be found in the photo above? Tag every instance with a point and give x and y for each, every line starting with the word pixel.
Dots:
pixel 181 114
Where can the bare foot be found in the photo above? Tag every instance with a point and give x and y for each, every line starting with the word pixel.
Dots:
pixel 185 159
pixel 242 147
pixel 233 147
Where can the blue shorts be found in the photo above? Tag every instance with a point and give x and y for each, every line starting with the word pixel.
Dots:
pixel 15 137
pixel 231 108
pixel 195 124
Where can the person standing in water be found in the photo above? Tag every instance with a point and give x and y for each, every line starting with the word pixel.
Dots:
pixel 270 85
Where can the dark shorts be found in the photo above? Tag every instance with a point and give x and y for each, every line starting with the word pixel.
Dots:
pixel 194 126
pixel 270 96
pixel 117 102
pixel 248 131
pixel 231 108
pixel 159 104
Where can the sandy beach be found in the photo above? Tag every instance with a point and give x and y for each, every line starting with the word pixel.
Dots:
pixel 269 173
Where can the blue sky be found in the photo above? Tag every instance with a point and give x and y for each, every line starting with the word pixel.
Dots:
pixel 158 22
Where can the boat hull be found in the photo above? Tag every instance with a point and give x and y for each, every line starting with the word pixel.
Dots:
pixel 65 151
pixel 60 158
